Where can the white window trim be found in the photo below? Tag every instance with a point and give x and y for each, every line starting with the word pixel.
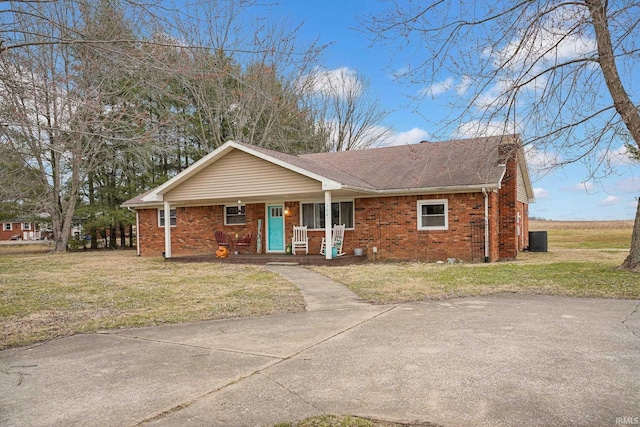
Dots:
pixel 224 214
pixel 308 202
pixel 162 210
pixel 4 226
pixel 421 203
pixel 26 226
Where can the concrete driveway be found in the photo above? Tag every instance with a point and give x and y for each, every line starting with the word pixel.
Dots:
pixel 489 361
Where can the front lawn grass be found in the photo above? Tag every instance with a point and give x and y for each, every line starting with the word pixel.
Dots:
pixel 401 282
pixel 581 262
pixel 43 296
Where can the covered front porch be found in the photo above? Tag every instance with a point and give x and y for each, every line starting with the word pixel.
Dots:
pixel 249 197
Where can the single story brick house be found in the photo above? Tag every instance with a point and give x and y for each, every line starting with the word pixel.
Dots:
pixel 465 199
pixel 19 229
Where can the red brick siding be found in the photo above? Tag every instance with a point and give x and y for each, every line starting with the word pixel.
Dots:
pixel 388 223
pixel 494 225
pixel 16 228
pixel 508 208
pixel 193 233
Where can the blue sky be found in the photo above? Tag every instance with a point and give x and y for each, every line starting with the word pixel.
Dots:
pixel 565 194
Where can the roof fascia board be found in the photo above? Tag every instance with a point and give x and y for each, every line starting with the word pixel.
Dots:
pixel 439 190
pixel 522 159
pixel 504 172
pixel 476 188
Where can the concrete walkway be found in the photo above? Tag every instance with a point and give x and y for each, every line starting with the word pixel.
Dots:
pixel 491 361
pixel 319 292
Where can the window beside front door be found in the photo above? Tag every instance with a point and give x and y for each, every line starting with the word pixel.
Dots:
pixel 433 214
pixel 313 214
pixel 235 215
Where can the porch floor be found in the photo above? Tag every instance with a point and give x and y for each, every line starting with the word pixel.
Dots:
pixel 263 259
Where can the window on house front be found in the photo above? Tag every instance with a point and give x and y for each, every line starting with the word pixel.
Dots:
pixel 433 214
pixel 313 214
pixel 172 218
pixel 26 226
pixel 234 215
pixel 7 226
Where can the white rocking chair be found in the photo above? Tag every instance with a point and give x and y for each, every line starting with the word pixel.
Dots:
pixel 300 239
pixel 337 238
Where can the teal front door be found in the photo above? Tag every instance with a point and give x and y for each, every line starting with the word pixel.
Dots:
pixel 275 228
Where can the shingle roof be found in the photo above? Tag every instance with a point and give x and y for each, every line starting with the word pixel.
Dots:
pixel 317 166
pixel 457 163
pixel 425 165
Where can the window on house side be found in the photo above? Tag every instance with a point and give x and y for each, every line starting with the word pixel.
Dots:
pixel 26 226
pixel 433 214
pixel 172 217
pixel 234 215
pixel 313 214
pixel 7 226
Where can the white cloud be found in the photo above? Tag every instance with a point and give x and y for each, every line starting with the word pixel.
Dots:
pixel 582 186
pixel 477 128
pixel 464 85
pixel 540 193
pixel 628 185
pixel 338 82
pixel 495 95
pixel 539 159
pixel 444 86
pixel 531 52
pixel 610 201
pixel 553 41
pixel 438 88
pixel 412 136
pixel 372 136
pixel 617 157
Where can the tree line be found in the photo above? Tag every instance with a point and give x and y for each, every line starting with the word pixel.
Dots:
pixel 105 99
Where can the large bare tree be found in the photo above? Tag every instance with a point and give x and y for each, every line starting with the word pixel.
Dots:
pixel 560 73
pixel 246 84
pixel 346 108
pixel 66 101
pixel 92 86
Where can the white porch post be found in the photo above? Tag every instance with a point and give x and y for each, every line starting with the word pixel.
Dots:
pixel 167 229
pixel 137 233
pixel 328 249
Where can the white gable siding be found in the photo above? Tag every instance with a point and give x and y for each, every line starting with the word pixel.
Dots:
pixel 241 174
pixel 522 189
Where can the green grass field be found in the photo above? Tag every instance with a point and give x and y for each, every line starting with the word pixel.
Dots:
pixel 585 234
pixel 581 261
